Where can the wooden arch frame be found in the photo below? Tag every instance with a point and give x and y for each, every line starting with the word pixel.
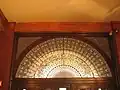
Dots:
pixel 105 82
pixel 47 36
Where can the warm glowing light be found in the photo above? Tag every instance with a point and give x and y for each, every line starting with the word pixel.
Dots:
pixel 99 89
pixel 60 56
pixel 62 89
pixel 0 83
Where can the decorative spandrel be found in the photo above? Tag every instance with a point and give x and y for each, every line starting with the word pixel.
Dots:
pixel 63 58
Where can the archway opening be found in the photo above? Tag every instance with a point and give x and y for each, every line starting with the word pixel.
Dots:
pixel 55 62
pixel 63 58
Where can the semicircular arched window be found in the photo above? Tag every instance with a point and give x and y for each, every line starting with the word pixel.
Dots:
pixel 63 58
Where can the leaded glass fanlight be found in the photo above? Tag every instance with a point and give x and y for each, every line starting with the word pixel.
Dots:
pixel 63 58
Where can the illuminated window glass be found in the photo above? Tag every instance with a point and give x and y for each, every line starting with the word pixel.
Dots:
pixel 63 57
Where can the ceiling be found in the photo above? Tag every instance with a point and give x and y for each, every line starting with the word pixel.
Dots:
pixel 61 10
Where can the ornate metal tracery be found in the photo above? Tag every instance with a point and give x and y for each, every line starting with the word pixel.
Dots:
pixel 58 55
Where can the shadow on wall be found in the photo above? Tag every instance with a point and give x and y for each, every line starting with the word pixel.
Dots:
pixel 113 15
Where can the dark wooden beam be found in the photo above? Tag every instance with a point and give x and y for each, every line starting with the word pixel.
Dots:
pixel 3 21
pixel 114 55
pixel 73 27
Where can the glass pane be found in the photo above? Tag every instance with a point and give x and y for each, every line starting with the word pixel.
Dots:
pixel 63 56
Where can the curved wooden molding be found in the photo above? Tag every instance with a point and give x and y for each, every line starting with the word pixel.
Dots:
pixel 3 21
